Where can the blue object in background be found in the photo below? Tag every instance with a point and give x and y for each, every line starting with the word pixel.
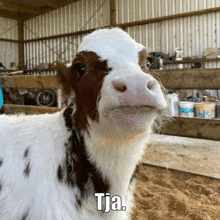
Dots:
pixel 1 95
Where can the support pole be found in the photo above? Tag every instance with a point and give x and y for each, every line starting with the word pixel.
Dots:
pixel 112 13
pixel 21 44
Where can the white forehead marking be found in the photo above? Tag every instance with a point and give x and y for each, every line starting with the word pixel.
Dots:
pixel 113 45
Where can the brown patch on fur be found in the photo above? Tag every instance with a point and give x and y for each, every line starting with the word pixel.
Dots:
pixel 151 59
pixel 86 87
pixel 142 59
pixel 62 76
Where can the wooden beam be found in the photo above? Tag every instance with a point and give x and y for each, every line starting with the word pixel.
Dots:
pixel 198 156
pixel 63 35
pixel 46 9
pixel 19 7
pixel 48 2
pixel 173 79
pixel 193 127
pixel 112 13
pixel 21 44
pixel 10 109
pixel 8 14
pixel 30 71
pixel 66 2
pixel 199 60
pixel 30 81
pixel 190 78
pixel 170 17
pixel 8 40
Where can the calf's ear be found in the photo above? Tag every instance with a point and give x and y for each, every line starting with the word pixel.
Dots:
pixel 151 60
pixel 63 76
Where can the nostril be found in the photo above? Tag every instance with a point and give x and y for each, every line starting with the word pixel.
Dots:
pixel 151 84
pixel 120 86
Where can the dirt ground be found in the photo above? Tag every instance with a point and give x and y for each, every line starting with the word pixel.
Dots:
pixel 163 194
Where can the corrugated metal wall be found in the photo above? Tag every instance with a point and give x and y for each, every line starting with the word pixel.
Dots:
pixel 8 28
pixel 48 51
pixel 81 15
pixel 8 50
pixel 8 53
pixel 192 34
pixel 130 10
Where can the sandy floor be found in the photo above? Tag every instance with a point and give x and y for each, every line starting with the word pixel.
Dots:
pixel 163 194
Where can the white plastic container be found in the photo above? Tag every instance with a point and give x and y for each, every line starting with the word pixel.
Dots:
pixel 179 56
pixel 187 109
pixel 173 103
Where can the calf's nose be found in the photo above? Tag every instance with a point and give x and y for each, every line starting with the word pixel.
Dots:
pixel 139 90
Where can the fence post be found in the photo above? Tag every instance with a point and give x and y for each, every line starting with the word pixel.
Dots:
pixel 59 98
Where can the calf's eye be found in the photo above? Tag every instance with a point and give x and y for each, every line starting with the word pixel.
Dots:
pixel 80 68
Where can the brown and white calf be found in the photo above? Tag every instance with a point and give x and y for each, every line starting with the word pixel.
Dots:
pixel 58 166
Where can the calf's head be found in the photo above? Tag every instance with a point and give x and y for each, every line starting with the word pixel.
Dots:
pixel 112 84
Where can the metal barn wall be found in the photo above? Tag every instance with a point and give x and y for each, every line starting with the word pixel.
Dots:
pixel 48 51
pixel 81 15
pixel 78 16
pixel 130 10
pixel 8 50
pixel 192 34
pixel 8 53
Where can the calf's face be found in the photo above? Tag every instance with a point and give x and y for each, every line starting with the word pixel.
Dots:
pixel 111 84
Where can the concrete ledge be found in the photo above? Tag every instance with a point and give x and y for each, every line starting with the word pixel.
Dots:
pixel 185 154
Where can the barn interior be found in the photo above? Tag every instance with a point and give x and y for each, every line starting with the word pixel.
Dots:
pixel 181 163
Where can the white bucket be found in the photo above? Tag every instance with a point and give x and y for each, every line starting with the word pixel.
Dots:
pixel 187 109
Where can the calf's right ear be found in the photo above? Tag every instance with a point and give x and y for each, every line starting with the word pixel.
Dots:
pixel 150 61
pixel 63 76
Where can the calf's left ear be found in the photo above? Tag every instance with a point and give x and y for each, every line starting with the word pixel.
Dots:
pixel 62 76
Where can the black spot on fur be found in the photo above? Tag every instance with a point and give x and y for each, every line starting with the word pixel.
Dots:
pixel 1 162
pixel 26 152
pixel 0 187
pixel 78 203
pixel 27 170
pixel 78 170
pixel 67 117
pixel 24 217
pixel 59 173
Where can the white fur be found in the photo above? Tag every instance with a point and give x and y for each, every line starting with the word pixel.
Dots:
pixel 113 45
pixel 115 144
pixel 40 193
